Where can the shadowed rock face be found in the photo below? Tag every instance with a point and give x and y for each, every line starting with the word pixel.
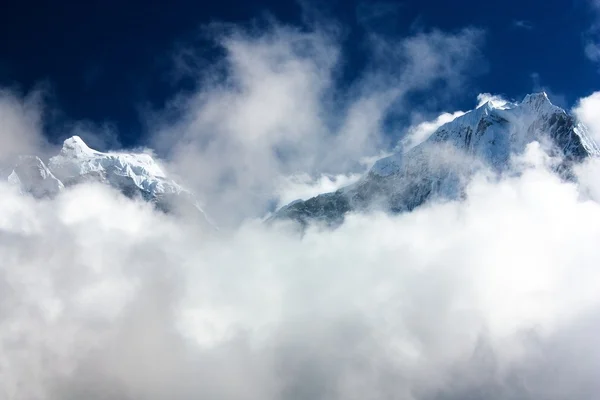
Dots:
pixel 423 176
pixel 440 167
pixel 328 208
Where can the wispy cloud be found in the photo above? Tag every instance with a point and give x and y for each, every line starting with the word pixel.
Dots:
pixel 374 14
pixel 588 112
pixel 274 106
pixel 592 50
pixel 304 186
pixel 496 100
pixel 592 35
pixel 21 126
pixel 419 133
pixel 523 24
pixel 538 86
pixel 422 128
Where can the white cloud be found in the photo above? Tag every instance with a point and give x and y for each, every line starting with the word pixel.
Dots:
pixel 421 132
pixel 592 51
pixel 587 111
pixel 303 186
pixel 103 298
pixel 496 100
pixel 592 36
pixel 497 296
pixel 20 127
pixel 523 24
pixel 274 107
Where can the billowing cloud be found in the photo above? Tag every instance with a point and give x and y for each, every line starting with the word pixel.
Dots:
pixel 303 186
pixel 495 296
pixel 275 107
pixel 496 100
pixel 588 112
pixel 20 129
pixel 498 294
pixel 419 133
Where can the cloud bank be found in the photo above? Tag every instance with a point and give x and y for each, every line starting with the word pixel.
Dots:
pixel 587 111
pixel 495 297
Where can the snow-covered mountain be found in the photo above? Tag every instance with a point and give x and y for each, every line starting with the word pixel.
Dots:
pixel 133 174
pixel 137 175
pixel 31 175
pixel 440 166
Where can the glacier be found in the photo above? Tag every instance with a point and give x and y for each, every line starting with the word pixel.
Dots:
pixel 440 166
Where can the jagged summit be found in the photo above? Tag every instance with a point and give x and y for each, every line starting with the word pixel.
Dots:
pixel 133 174
pixel 76 162
pixel 540 103
pixel 76 147
pixel 440 166
pixel 492 132
pixel 537 98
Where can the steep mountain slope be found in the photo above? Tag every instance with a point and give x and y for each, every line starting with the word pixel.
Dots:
pixel 136 175
pixel 440 166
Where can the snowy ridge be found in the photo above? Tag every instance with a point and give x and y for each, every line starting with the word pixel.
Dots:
pixel 492 132
pixel 133 174
pixel 76 161
pixel 440 166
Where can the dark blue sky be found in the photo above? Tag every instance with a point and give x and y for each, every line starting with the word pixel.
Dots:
pixel 106 60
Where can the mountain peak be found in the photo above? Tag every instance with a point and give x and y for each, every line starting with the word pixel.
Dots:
pixel 537 97
pixel 135 175
pixel 440 166
pixel 541 103
pixel 75 146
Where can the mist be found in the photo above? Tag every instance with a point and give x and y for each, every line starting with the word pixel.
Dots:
pixel 275 106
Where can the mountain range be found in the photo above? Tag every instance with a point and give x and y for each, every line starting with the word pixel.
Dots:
pixel 437 168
